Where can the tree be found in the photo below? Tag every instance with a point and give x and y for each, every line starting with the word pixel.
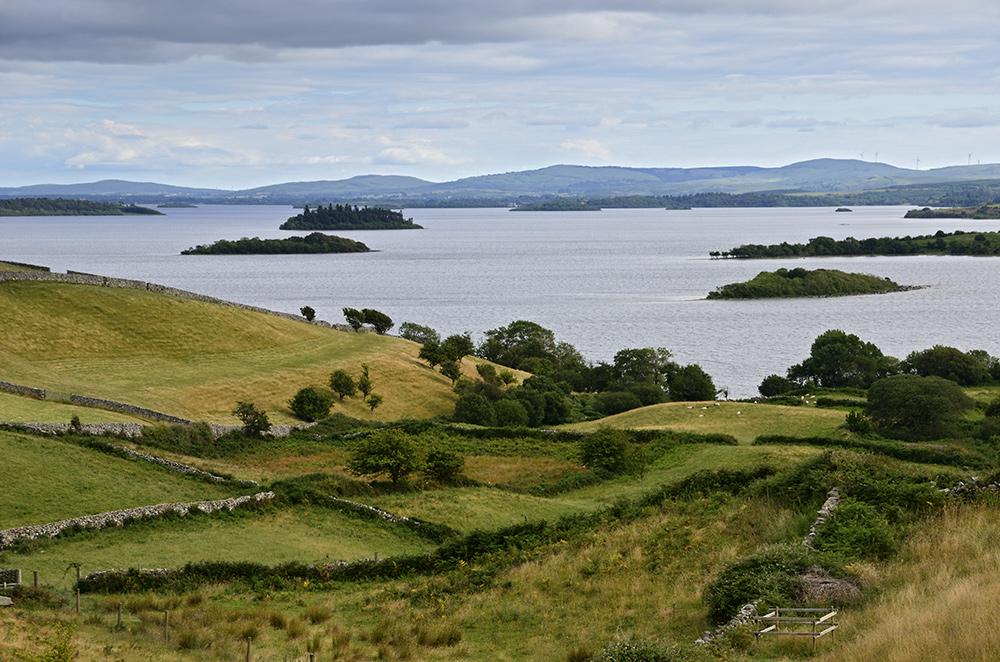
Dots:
pixel 444 466
pixel 343 384
pixel 605 450
pixel 255 421
pixel 308 313
pixel 691 384
pixel 374 401
pixel 511 345
pixel 311 403
pixel 379 321
pixel 922 406
pixel 432 353
pixel 418 333
pixel 365 384
pixel 838 359
pixel 451 370
pixel 648 366
pixel 457 346
pixel 389 452
pixel 510 413
pixel 775 385
pixel 947 362
pixel 474 408
pixel 355 318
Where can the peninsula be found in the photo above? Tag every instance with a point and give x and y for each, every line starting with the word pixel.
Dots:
pixel 348 217
pixel 984 212
pixel 312 243
pixel 940 243
pixel 785 283
pixel 63 207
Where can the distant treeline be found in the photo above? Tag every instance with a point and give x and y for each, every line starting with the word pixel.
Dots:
pixel 984 212
pixel 785 283
pixel 62 207
pixel 313 243
pixel 940 243
pixel 349 217
pixel 558 204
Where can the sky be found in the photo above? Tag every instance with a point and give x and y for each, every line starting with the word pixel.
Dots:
pixel 242 93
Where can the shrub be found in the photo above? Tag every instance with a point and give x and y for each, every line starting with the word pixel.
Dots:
pixel 510 413
pixel 311 404
pixel 644 650
pixel 605 450
pixel 775 385
pixel 610 403
pixel 476 409
pixel 316 614
pixel 390 452
pixel 773 574
pixel 343 384
pixel 922 406
pixel 255 421
pixel 856 530
pixel 444 466
pixel 857 423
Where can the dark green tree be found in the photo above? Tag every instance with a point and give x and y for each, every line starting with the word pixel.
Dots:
pixel 374 402
pixel 418 333
pixel 511 345
pixel 510 413
pixel 386 452
pixel 458 346
pixel 775 385
pixel 311 403
pixel 343 384
pixel 355 318
pixel 924 407
pixel 432 353
pixel 691 384
pixel 378 320
pixel 451 370
pixel 476 409
pixel 255 421
pixel 947 362
pixel 308 313
pixel 838 359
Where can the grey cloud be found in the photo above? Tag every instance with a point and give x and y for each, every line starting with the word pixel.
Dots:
pixel 965 118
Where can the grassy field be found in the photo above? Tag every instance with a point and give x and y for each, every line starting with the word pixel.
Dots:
pixel 46 480
pixel 20 409
pixel 743 420
pixel 195 359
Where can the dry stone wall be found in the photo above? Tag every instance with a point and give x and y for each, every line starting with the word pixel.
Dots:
pixel 22 390
pixel 120 517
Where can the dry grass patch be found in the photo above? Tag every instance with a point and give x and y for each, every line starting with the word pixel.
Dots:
pixel 518 471
pixel 745 421
pixel 939 600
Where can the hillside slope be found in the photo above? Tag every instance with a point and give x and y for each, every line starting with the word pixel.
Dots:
pixel 196 359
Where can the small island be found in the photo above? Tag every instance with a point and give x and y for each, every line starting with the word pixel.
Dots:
pixel 63 207
pixel 984 213
pixel 785 283
pixel 557 205
pixel 176 205
pixel 939 243
pixel 313 243
pixel 348 217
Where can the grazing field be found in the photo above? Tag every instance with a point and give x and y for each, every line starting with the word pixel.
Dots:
pixel 20 409
pixel 743 420
pixel 46 480
pixel 195 359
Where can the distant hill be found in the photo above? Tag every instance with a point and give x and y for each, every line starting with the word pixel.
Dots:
pixel 818 176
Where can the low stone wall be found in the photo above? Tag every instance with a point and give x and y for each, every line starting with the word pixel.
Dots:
pixel 127 429
pixel 120 517
pixel 23 390
pixel 125 408
pixel 25 265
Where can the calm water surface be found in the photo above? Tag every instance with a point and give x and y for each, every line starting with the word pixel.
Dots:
pixel 601 280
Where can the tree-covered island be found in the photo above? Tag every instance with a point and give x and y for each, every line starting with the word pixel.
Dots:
pixel 349 217
pixel 983 212
pixel 561 204
pixel 62 207
pixel 939 243
pixel 312 243
pixel 788 283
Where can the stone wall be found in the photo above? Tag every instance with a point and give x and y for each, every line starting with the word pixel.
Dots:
pixel 120 517
pixel 124 408
pixel 22 390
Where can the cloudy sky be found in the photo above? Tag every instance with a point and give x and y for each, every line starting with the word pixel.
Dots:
pixel 240 93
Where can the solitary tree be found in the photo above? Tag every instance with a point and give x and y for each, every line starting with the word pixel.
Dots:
pixel 343 384
pixel 365 384
pixel 605 450
pixel 691 383
pixel 457 346
pixel 922 406
pixel 838 359
pixel 308 313
pixel 374 401
pixel 311 403
pixel 255 421
pixel 389 452
pixel 418 332
pixel 444 466
pixel 451 370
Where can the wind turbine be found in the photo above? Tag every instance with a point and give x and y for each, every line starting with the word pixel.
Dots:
pixel 876 157
pixel 862 156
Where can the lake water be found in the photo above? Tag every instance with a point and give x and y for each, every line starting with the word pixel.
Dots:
pixel 601 281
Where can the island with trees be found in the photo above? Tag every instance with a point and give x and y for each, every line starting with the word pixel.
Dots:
pixel 561 204
pixel 799 282
pixel 63 207
pixel 312 243
pixel 982 213
pixel 958 242
pixel 349 217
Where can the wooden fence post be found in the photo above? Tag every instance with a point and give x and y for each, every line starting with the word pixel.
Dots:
pixel 36 578
pixel 166 625
pixel 248 649
pixel 119 616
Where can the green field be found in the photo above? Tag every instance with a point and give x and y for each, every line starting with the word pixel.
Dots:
pixel 195 359
pixel 21 409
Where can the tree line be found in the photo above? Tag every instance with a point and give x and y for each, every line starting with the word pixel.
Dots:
pixel 958 242
pixel 63 207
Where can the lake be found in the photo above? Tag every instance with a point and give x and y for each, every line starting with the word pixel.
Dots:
pixel 601 281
